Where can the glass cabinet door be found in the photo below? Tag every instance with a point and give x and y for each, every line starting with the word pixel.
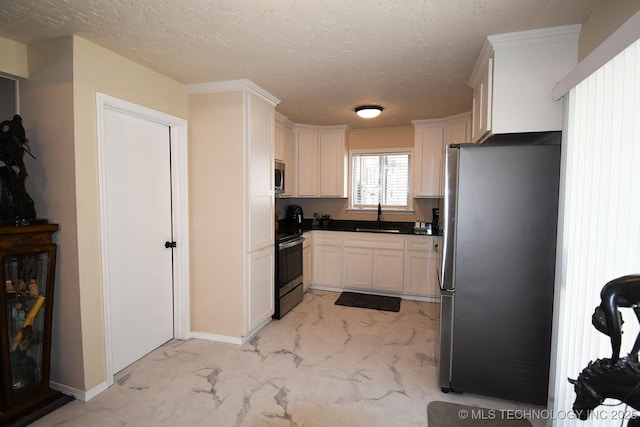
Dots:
pixel 26 278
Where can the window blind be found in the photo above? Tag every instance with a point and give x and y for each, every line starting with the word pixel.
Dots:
pixel 380 178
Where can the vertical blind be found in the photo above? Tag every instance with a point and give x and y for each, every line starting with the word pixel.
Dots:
pixel 380 178
pixel 599 225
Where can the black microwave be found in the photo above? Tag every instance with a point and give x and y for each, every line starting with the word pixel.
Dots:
pixel 279 177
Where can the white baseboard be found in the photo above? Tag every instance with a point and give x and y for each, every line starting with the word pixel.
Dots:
pixel 83 396
pixel 227 339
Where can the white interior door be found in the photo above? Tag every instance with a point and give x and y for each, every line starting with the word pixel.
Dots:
pixel 137 174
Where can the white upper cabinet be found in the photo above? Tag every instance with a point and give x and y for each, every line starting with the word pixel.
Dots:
pixel 259 146
pixel 513 79
pixel 283 151
pixel 306 159
pixel 457 129
pixel 428 158
pixel 333 162
pixel 320 153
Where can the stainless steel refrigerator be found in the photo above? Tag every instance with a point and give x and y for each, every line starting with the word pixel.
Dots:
pixel 500 221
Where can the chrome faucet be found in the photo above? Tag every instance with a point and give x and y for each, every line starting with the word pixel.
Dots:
pixel 379 220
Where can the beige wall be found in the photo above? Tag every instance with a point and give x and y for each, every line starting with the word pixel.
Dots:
pixel 217 211
pixel 99 70
pixel 59 104
pixel 13 61
pixel 603 21
pixel 47 110
pixel 384 137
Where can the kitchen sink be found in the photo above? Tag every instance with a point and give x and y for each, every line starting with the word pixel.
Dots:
pixel 377 230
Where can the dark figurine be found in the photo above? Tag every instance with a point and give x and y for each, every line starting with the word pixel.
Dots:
pixel 603 379
pixel 617 378
pixel 15 204
pixel 621 292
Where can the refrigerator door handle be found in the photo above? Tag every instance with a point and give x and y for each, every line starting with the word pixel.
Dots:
pixel 450 188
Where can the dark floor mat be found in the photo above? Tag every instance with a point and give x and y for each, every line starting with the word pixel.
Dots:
pixel 375 302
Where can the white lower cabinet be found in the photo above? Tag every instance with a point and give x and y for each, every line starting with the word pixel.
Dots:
pixel 307 262
pixel 373 262
pixel 402 264
pixel 261 296
pixel 388 274
pixel 327 259
pixel 421 267
pixel 356 268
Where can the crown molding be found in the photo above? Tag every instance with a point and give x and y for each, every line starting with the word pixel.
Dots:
pixel 244 85
pixel 535 37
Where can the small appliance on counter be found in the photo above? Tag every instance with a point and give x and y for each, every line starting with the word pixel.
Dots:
pixel 422 227
pixel 435 222
pixel 294 217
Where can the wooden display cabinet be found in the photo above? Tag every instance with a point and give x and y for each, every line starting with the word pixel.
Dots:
pixel 27 260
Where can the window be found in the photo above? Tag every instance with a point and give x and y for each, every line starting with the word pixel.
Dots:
pixel 380 177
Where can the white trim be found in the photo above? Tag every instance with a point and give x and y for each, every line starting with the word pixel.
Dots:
pixel 535 37
pixel 83 396
pixel 227 339
pixel 622 38
pixel 180 202
pixel 428 122
pixel 231 85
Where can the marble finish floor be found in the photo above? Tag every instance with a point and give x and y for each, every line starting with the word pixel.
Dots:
pixel 321 365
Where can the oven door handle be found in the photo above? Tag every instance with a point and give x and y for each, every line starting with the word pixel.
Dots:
pixel 291 244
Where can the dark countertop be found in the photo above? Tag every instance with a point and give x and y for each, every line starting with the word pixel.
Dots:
pixel 349 225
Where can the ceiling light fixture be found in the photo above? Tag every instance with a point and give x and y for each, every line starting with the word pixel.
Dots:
pixel 369 111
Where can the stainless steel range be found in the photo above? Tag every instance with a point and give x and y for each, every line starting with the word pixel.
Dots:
pixel 288 283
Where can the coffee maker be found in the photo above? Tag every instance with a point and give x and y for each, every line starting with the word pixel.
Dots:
pixel 294 216
pixel 435 222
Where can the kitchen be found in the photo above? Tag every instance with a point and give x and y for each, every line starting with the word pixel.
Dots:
pixel 96 78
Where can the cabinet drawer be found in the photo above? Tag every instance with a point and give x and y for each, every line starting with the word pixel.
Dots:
pixel 327 238
pixel 422 243
pixel 361 240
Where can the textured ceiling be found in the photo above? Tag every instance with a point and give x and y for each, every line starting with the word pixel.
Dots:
pixel 322 58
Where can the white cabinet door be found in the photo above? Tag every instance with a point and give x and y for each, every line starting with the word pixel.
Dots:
pixel 260 170
pixel 332 167
pixel 482 102
pixel 421 266
pixel 261 294
pixel 388 270
pixel 283 151
pixel 278 143
pixel 327 265
pixel 457 129
pixel 307 251
pixel 306 162
pixel 327 258
pixel 428 153
pixel 289 163
pixel 357 268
